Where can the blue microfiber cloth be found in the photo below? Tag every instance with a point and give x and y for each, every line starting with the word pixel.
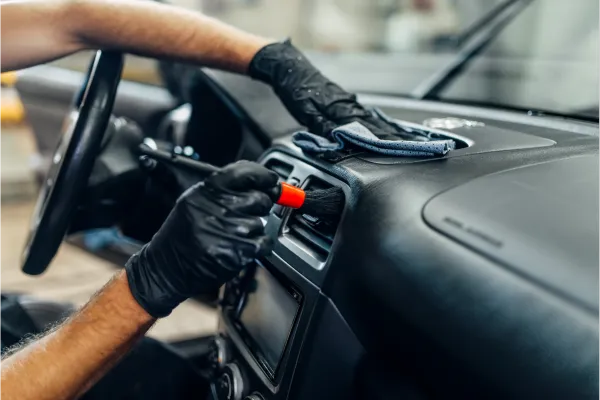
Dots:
pixel 428 142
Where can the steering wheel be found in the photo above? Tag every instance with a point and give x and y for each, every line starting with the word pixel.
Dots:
pixel 73 160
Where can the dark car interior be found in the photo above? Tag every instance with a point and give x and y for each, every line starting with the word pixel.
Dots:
pixel 473 275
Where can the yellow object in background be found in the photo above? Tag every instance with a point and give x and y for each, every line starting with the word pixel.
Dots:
pixel 8 79
pixel 12 111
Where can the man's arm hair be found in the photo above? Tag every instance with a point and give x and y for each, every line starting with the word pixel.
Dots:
pixel 67 360
pixel 38 31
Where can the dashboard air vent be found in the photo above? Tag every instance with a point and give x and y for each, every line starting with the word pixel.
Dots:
pixel 284 170
pixel 313 233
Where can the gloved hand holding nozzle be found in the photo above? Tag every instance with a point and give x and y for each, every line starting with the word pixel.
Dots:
pixel 212 233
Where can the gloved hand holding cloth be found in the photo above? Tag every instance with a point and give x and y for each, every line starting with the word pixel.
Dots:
pixel 212 233
pixel 330 112
pixel 311 98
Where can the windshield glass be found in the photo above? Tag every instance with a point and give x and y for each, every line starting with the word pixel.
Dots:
pixel 546 59
pixel 375 46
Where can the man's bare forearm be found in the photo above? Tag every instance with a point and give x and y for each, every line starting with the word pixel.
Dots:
pixel 39 31
pixel 70 359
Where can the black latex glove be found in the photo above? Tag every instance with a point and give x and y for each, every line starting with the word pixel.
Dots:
pixel 212 233
pixel 170 180
pixel 311 98
pixel 162 186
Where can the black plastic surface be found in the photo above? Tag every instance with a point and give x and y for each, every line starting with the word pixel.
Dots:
pixel 256 379
pixel 417 299
pixel 540 220
pixel 255 100
pixel 330 356
pixel 447 315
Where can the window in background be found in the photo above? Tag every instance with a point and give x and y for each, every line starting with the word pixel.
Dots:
pixel 373 35
pixel 545 60
pixel 376 46
pixel 353 25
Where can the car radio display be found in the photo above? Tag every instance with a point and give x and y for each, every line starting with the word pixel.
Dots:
pixel 268 315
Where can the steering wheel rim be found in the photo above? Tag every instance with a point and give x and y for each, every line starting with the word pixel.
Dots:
pixel 72 163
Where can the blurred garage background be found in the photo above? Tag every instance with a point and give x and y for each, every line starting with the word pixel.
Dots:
pixel 380 39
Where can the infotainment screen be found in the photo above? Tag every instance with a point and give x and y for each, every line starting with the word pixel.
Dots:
pixel 267 315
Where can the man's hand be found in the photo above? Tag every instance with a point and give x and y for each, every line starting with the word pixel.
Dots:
pixel 38 31
pixel 68 360
pixel 315 101
pixel 212 233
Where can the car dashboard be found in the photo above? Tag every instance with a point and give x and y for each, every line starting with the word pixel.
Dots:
pixel 474 275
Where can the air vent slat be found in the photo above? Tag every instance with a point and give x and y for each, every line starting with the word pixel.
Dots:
pixel 316 227
pixel 284 170
pixel 309 238
pixel 314 233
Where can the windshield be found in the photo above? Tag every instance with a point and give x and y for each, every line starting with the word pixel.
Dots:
pixel 375 46
pixel 545 58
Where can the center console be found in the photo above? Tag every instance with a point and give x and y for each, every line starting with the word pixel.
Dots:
pixel 275 323
pixel 259 322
